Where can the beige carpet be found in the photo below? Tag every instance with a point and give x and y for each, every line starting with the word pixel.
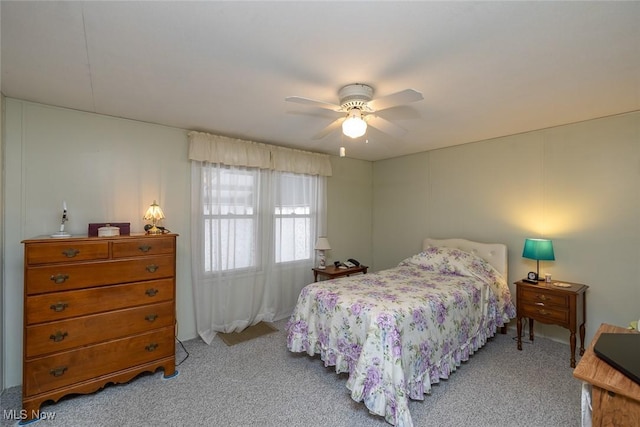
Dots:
pixel 255 331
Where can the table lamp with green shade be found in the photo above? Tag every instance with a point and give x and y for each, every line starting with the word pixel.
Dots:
pixel 540 250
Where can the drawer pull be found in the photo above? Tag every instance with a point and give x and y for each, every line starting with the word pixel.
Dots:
pixel 151 292
pixel 152 268
pixel 58 336
pixel 144 248
pixel 58 307
pixel 542 297
pixel 539 303
pixel 151 317
pixel 59 278
pixel 57 372
pixel 70 253
pixel 544 312
pixel 151 347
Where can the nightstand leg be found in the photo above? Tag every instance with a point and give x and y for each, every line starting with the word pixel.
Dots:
pixel 572 342
pixel 584 320
pixel 519 328
pixel 531 330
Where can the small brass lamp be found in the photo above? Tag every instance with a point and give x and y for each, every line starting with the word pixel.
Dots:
pixel 153 214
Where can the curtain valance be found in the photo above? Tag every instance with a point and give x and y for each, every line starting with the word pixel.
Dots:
pixel 218 149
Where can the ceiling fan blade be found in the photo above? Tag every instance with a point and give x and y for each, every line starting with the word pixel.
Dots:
pixel 326 131
pixel 399 98
pixel 313 103
pixel 385 126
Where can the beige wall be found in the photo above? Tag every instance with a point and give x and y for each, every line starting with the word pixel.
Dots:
pixel 578 185
pixel 400 213
pixel 349 214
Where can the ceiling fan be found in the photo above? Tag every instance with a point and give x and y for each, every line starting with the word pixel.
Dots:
pixel 358 108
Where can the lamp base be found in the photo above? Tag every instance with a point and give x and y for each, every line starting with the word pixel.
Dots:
pixel 154 230
pixel 61 234
pixel 322 264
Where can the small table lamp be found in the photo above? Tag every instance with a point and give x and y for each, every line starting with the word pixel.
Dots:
pixel 153 214
pixel 540 250
pixel 322 244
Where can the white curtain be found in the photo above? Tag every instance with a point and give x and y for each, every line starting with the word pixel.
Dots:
pixel 253 231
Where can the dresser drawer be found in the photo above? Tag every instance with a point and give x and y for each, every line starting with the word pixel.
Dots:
pixel 63 305
pixel 66 252
pixel 527 295
pixel 72 366
pixel 74 276
pixel 152 245
pixel 52 337
pixel 545 314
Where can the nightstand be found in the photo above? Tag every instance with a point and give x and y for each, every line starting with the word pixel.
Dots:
pixel 554 305
pixel 332 272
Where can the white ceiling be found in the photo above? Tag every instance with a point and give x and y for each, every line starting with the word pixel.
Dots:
pixel 486 69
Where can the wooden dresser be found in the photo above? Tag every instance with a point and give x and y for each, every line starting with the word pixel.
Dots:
pixel 615 397
pixel 97 310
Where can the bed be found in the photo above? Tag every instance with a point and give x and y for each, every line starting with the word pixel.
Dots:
pixel 398 331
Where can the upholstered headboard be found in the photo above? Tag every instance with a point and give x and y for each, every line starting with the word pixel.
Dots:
pixel 494 253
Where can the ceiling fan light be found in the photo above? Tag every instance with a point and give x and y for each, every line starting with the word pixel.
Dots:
pixel 354 126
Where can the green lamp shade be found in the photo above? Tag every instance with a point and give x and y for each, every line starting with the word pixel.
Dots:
pixel 538 249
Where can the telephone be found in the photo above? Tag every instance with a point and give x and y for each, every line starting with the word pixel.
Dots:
pixel 340 265
pixel 352 263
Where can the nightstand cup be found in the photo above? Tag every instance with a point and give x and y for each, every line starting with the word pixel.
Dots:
pixel 555 305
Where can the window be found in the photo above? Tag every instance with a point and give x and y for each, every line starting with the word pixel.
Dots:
pixel 293 216
pixel 230 213
pixel 240 204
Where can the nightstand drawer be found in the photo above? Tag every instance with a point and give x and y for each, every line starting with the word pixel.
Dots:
pixel 546 297
pixel 545 314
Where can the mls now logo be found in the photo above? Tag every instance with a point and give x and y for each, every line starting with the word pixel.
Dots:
pixel 23 414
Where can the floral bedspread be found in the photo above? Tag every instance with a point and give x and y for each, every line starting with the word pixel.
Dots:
pixel 398 331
